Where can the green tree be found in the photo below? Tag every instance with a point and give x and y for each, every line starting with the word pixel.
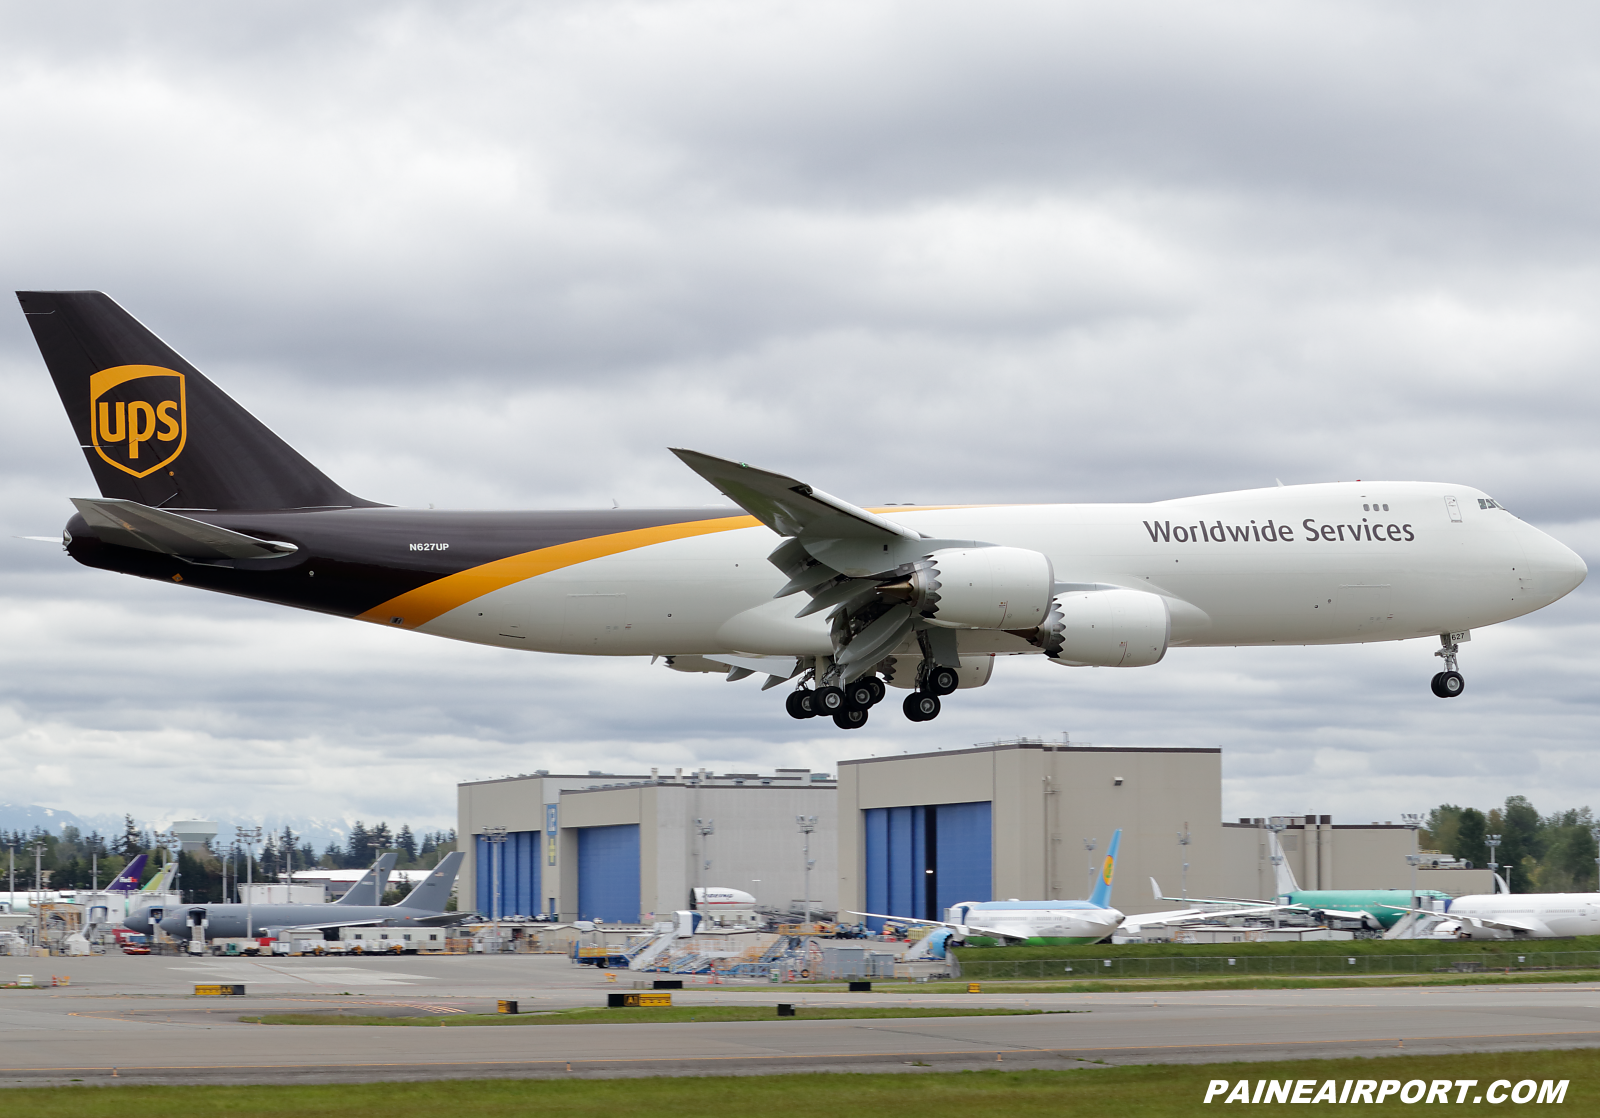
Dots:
pixel 1439 833
pixel 131 842
pixel 1471 827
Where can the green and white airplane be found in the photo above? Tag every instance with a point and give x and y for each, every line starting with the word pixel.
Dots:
pixel 1376 909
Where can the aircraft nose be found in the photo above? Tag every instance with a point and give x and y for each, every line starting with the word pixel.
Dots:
pixel 1553 564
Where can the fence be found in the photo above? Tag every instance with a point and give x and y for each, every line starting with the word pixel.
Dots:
pixel 1183 966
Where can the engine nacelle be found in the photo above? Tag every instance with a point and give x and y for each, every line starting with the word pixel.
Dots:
pixel 984 588
pixel 1107 628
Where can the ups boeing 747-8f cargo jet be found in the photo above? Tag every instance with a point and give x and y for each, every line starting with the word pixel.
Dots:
pixel 844 601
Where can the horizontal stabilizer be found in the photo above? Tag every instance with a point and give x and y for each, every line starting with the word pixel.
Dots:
pixel 130 524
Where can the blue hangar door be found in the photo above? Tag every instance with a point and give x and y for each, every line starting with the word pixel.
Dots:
pixel 921 860
pixel 512 870
pixel 608 873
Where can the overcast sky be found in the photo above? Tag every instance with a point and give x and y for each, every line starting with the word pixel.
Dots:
pixel 503 254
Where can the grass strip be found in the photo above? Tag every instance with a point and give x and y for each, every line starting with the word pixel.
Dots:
pixel 664 1015
pixel 1150 1091
pixel 1251 982
pixel 1490 952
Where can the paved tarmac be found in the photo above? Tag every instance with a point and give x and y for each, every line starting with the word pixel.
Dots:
pixel 127 1019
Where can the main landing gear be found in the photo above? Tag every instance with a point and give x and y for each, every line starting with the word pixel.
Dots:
pixel 923 705
pixel 847 705
pixel 1448 683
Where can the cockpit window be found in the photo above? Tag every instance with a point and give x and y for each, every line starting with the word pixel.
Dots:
pixel 1490 503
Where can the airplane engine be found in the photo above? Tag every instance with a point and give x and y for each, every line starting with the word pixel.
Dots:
pixel 982 588
pixel 1107 628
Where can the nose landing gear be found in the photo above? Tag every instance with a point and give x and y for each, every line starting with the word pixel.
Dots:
pixel 1448 683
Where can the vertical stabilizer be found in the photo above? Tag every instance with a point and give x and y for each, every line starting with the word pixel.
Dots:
pixel 369 890
pixel 128 880
pixel 1283 876
pixel 434 892
pixel 1101 897
pixel 153 427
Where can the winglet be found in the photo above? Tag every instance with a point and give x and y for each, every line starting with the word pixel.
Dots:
pixel 1101 897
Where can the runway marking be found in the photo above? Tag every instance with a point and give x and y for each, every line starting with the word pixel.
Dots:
pixel 815 1056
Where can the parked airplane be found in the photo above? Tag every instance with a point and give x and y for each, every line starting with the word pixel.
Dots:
pixel 1510 916
pixel 1372 908
pixel 989 923
pixel 424 906
pixel 196 491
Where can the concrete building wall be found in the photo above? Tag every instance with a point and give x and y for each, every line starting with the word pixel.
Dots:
pixel 1046 801
pixel 1327 855
pixel 517 804
pixel 756 845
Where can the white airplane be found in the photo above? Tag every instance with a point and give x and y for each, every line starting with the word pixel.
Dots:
pixel 195 491
pixel 1507 916
pixel 986 923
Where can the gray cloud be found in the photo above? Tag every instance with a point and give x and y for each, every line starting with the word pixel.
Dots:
pixel 494 255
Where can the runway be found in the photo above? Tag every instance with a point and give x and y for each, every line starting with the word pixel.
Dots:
pixel 135 1020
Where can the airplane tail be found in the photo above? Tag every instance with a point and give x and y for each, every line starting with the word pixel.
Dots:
pixel 128 880
pixel 162 878
pixel 434 892
pixel 1283 876
pixel 369 890
pixel 154 429
pixel 1101 897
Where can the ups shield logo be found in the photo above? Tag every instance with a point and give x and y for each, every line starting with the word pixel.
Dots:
pixel 137 417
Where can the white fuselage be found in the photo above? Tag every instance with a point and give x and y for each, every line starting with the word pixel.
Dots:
pixel 1036 921
pixel 1333 563
pixel 1546 915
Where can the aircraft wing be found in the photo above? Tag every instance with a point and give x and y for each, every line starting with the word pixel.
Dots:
pixel 1156 890
pixel 790 507
pixel 1195 915
pixel 962 930
pixel 1513 924
pixel 130 524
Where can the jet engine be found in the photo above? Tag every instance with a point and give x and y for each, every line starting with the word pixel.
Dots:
pixel 979 588
pixel 1115 628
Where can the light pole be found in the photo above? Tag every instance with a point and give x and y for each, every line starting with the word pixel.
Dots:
pixel 248 837
pixel 1183 844
pixel 1089 844
pixel 1493 843
pixel 706 828
pixel 39 848
pixel 11 905
pixel 1413 821
pixel 807 824
pixel 496 838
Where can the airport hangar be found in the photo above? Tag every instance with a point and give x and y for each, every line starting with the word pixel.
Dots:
pixel 907 835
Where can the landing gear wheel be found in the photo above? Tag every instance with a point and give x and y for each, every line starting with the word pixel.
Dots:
pixel 941 681
pixel 878 689
pixel 799 705
pixel 827 700
pixel 921 707
pixel 859 695
pixel 850 719
pixel 1447 685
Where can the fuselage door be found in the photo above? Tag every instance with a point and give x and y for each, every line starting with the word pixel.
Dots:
pixel 1453 507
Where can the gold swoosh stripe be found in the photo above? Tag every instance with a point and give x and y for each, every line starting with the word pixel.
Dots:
pixel 419 606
